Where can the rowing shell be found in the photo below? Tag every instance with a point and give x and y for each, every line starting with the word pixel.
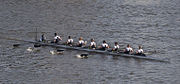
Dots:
pixel 91 50
pixel 99 51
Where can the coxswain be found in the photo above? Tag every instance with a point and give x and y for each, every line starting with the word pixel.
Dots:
pixel 81 42
pixel 92 44
pixel 128 49
pixel 56 38
pixel 140 51
pixel 116 46
pixel 43 38
pixel 104 45
pixel 69 41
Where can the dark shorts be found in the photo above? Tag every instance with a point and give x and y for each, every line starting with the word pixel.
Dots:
pixel 127 52
pixel 80 45
pixel 93 46
pixel 70 43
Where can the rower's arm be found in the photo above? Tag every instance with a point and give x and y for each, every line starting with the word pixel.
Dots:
pixel 132 50
pixel 60 38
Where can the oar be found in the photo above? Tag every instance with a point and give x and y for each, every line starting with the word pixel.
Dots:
pixel 18 44
pixel 37 45
pixel 85 54
pixel 7 38
pixel 60 50
pixel 150 52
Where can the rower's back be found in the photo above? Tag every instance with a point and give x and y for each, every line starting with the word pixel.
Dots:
pixel 70 40
pixel 56 38
pixel 128 49
pixel 140 51
pixel 81 42
pixel 92 44
pixel 104 45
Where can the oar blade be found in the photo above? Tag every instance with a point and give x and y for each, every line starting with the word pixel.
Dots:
pixel 16 45
pixel 37 45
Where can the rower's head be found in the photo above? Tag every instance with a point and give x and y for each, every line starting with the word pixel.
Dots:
pixel 104 41
pixel 92 40
pixel 128 45
pixel 55 34
pixel 81 38
pixel 69 37
pixel 140 47
pixel 116 43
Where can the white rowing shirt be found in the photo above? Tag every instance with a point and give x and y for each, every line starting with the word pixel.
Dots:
pixel 140 51
pixel 81 42
pixel 70 41
pixel 57 37
pixel 129 49
pixel 116 46
pixel 93 43
pixel 105 45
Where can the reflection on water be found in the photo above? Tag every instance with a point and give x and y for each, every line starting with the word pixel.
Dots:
pixel 151 23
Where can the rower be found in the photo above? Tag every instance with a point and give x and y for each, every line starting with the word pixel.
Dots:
pixel 81 42
pixel 116 46
pixel 69 41
pixel 43 38
pixel 140 51
pixel 92 44
pixel 128 49
pixel 56 38
pixel 104 45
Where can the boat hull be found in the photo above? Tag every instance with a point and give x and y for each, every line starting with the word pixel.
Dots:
pixel 98 51
pixel 101 51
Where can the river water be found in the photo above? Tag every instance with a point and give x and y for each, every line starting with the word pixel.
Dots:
pixel 154 24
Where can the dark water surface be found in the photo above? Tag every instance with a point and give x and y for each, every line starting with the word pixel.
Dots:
pixel 155 24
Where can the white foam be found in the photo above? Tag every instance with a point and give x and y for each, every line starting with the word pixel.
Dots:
pixel 79 56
